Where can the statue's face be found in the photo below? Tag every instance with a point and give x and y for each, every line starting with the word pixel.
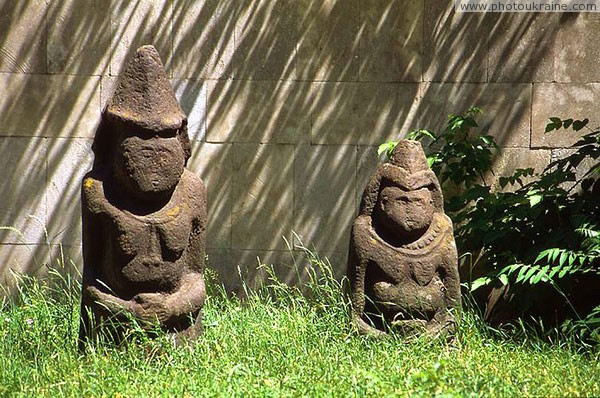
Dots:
pixel 149 167
pixel 406 212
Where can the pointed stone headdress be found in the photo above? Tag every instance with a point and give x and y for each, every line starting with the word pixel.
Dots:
pixel 144 97
pixel 409 156
pixel 408 170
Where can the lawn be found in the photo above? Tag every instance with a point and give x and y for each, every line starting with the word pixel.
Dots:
pixel 277 342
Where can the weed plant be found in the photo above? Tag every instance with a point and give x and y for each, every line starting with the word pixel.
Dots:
pixel 278 341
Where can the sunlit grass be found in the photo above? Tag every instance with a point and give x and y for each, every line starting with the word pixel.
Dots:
pixel 277 342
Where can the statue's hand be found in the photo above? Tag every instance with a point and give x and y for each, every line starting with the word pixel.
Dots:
pixel 153 306
pixel 107 301
pixel 366 329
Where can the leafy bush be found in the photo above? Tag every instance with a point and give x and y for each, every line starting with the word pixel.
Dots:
pixel 540 230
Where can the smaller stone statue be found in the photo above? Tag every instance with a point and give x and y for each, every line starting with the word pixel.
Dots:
pixel 144 214
pixel 402 265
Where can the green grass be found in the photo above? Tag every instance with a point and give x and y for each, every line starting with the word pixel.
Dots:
pixel 278 342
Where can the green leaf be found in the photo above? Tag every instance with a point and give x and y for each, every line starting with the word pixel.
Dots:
pixel 503 279
pixel 563 258
pixel 535 199
pixel 431 160
pixel 479 282
pixel 386 147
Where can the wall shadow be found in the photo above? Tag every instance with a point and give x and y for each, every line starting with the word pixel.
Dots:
pixel 287 102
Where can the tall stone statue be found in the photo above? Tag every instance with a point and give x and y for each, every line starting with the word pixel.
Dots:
pixel 144 214
pixel 403 266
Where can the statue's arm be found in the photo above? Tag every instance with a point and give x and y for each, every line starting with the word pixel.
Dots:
pixel 357 267
pixel 92 238
pixel 191 293
pixel 452 279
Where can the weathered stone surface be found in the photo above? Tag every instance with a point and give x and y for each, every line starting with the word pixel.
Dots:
pixel 203 38
pixel 144 214
pixel 259 112
pixel 455 45
pixel 577 51
pixel 506 108
pixel 521 47
pixel 391 41
pixel 23 36
pixel 78 37
pixel 577 101
pixel 135 23
pixel 328 47
pixel 23 190
pixel 362 113
pixel 31 106
pixel 403 265
pixel 324 195
pixel 262 190
pixel 266 36
pixel 213 163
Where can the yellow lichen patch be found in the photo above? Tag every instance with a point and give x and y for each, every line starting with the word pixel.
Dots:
pixel 173 212
pixel 88 182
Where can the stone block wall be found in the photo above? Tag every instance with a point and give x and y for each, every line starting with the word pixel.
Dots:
pixel 287 102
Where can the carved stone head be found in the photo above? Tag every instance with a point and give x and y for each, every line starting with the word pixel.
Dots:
pixel 143 136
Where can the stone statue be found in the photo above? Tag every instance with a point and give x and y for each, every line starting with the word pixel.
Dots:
pixel 144 214
pixel 402 265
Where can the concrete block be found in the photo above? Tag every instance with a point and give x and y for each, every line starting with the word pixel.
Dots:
pixel 522 46
pixel 259 112
pixel 78 37
pixel 577 51
pixel 367 163
pixel 17 260
pixel 213 163
pixel 23 36
pixel 324 195
pixel 319 262
pixel 49 106
pixel 454 44
pixel 23 190
pixel 511 159
pixel 391 41
pixel 107 87
pixel 240 271
pixel 203 39
pixel 577 101
pixel 583 167
pixel 35 260
pixel 234 268
pixel 135 23
pixel 191 95
pixel 262 192
pixel 506 108
pixel 68 160
pixel 266 36
pixel 328 48
pixel 362 113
